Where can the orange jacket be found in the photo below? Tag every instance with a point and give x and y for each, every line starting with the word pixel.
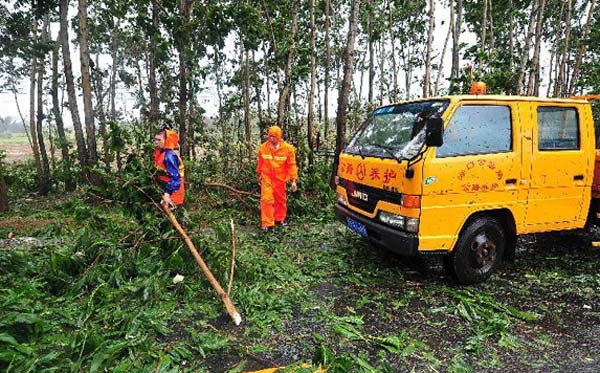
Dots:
pixel 279 164
pixel 170 168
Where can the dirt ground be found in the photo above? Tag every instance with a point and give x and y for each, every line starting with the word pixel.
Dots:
pixel 554 278
pixel 16 152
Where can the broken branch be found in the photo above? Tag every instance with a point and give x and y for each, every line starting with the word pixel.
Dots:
pixel 237 318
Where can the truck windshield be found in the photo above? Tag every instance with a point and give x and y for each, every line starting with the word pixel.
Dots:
pixel 396 131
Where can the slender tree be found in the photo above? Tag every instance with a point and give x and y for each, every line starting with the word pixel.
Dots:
pixel 345 87
pixel 582 46
pixel 44 187
pixel 284 96
pixel 3 194
pixel 533 85
pixel 72 95
pixel 86 84
pixel 482 48
pixel 60 127
pixel 559 88
pixel 394 92
pixel 456 39
pixel 443 55
pixel 327 67
pixel 427 79
pixel 154 37
pixel 313 82
pixel 527 47
pixel 246 94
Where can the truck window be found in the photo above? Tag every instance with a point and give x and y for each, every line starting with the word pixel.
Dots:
pixel 477 129
pixel 558 128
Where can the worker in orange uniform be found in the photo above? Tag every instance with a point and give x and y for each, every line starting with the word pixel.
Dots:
pixel 276 166
pixel 170 167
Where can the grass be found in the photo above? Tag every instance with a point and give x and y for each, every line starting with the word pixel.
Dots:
pixel 13 139
pixel 99 296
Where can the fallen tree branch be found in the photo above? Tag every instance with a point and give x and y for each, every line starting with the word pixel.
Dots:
pixel 232 258
pixel 237 318
pixel 232 189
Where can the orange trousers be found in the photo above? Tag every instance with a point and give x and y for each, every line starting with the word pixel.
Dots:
pixel 273 201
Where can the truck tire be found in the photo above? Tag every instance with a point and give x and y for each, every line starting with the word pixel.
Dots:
pixel 479 250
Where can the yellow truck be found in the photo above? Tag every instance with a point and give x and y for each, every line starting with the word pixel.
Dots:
pixel 464 175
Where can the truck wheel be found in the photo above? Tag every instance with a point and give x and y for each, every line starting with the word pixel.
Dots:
pixel 479 251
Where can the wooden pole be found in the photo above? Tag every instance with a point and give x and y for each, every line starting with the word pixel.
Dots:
pixel 232 258
pixel 231 310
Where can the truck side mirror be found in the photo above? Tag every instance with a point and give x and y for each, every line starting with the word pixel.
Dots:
pixel 434 132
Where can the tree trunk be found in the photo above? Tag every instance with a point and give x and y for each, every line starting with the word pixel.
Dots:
pixel 114 53
pixel 185 12
pixel 582 46
pixel 3 194
pixel 72 96
pixel 525 55
pixel 483 31
pixel 491 22
pixel 101 115
pixel 152 85
pixel 45 176
pixel 267 86
pixel 345 89
pixel 86 84
pixel 559 88
pixel 370 27
pixel 285 92
pixel 427 80
pixel 394 92
pixel 313 82
pixel 550 72
pixel 193 121
pixel 533 86
pixel 511 36
pixel 443 56
pixel 246 92
pixel 60 127
pixel 258 93
pixel 454 73
pixel 32 114
pixel 381 61
pixel 327 67
pixel 408 66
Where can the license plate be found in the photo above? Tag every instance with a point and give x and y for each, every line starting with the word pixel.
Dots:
pixel 357 227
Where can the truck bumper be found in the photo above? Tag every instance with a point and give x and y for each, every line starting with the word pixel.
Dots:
pixel 402 243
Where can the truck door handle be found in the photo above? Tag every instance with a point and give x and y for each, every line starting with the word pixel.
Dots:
pixel 578 177
pixel 511 181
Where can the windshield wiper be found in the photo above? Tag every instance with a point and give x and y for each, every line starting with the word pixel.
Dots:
pixel 388 150
pixel 360 145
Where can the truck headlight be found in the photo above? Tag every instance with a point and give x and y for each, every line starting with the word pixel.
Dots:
pixel 392 219
pixel 341 200
pixel 412 225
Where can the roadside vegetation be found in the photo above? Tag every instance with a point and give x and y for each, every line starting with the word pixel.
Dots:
pixel 92 276
pixel 93 289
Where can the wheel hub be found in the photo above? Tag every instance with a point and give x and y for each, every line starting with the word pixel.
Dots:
pixel 483 251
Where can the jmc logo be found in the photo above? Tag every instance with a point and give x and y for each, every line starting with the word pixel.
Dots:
pixel 360 195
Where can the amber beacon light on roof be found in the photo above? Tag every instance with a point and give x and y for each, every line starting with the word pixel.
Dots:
pixel 478 88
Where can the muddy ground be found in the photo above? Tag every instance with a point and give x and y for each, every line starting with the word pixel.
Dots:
pixel 310 292
pixel 554 280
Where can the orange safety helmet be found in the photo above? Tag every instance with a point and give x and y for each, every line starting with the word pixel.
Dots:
pixel 478 88
pixel 276 132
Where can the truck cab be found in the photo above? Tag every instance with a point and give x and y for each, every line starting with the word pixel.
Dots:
pixel 464 175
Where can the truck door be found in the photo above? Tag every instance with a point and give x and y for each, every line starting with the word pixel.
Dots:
pixel 560 167
pixel 477 168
